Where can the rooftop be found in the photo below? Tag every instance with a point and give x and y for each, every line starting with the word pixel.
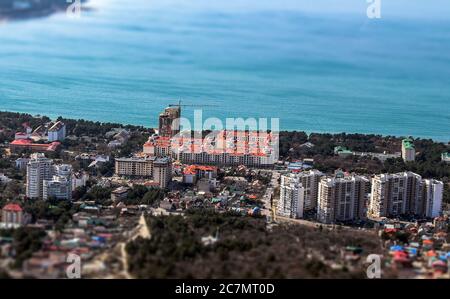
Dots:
pixel 57 126
pixel 408 143
pixel 12 207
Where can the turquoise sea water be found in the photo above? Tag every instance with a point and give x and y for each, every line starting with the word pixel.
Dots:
pixel 332 71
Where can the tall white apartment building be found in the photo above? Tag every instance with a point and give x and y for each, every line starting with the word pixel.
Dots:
pixel 408 150
pixel 60 186
pixel 396 194
pixel 433 191
pixel 39 168
pixel 342 198
pixel 310 182
pixel 291 203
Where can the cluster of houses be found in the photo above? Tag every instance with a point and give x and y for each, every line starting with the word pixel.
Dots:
pixel 240 193
pixel 418 250
pixel 91 230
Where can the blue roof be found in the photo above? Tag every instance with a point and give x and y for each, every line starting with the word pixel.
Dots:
pixel 396 248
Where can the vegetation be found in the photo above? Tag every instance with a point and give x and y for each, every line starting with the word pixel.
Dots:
pixel 428 160
pixel 101 195
pixel 58 211
pixel 244 250
pixel 142 195
pixel 26 241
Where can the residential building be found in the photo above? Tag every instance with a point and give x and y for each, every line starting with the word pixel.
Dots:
pixel 227 148
pixel 309 180
pixel 79 179
pixel 13 216
pixel 57 132
pixel 396 194
pixel 135 166
pixel 157 146
pixel 433 191
pixel 342 151
pixel 162 171
pixel 192 173
pixel 21 163
pixel 157 168
pixel 120 139
pixel 445 157
pixel 119 194
pixel 408 150
pixel 169 121
pixel 60 186
pixel 21 136
pixel 342 198
pixel 39 168
pixel 291 202
pixel 223 147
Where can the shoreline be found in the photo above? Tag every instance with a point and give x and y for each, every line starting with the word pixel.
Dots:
pixel 54 116
pixel 29 13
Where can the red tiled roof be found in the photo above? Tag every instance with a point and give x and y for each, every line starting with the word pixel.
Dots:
pixel 192 169
pixel 27 142
pixel 12 207
pixel 22 142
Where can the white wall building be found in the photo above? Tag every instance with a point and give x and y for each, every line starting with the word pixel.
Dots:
pixel 342 198
pixel 79 179
pixel 432 198
pixel 310 182
pixel 57 132
pixel 60 186
pixel 291 203
pixel 39 168
pixel 408 150
pixel 396 194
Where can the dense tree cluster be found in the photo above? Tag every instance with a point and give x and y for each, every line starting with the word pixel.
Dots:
pixel 245 248
pixel 140 194
pixel 26 240
pixel 58 211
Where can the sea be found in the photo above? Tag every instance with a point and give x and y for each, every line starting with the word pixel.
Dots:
pixel 317 66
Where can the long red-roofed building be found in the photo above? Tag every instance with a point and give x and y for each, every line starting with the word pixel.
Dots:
pixel 27 144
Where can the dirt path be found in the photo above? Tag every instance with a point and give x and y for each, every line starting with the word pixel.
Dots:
pixel 142 231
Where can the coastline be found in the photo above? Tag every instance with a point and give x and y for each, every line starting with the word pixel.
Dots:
pixel 29 13
pixel 149 126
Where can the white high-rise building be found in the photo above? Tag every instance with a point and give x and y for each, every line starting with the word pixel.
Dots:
pixel 292 197
pixel 432 198
pixel 342 198
pixel 408 150
pixel 310 182
pixel 60 186
pixel 396 194
pixel 39 168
